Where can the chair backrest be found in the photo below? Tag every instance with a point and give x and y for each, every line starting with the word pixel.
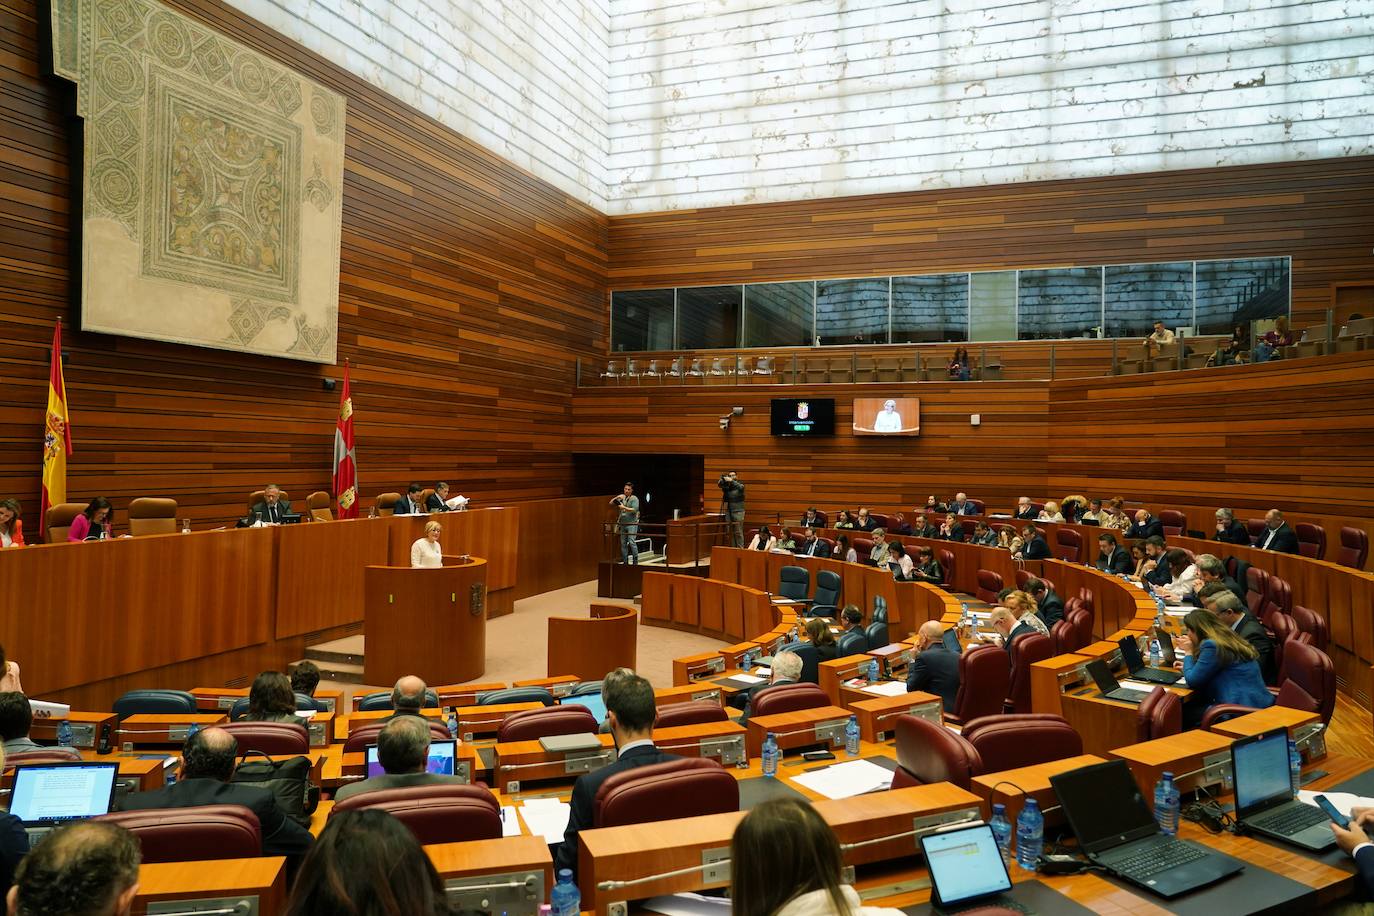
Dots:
pixel 1008 742
pixel 876 634
pixel 1065 636
pixel 1255 528
pixel 551 720
pixel 855 642
pixel 257 497
pixel 1159 715
pixel 193 834
pixel 1174 522
pixel 810 659
pixel 515 695
pixel 794 582
pixel 879 609
pixel 1292 696
pixel 979 506
pixel 947 561
pixel 862 546
pixel 787 698
pixel 1279 594
pixel 828 588
pixel 376 702
pixel 927 752
pixel 137 702
pixel 320 505
pixel 1022 577
pixel 1068 545
pixel 688 787
pixel 1311 669
pixel 59 520
pixel 586 688
pixel 1311 540
pixel 438 813
pixel 1283 627
pixel 1082 621
pixel 1354 548
pixel 1309 621
pixel 31 758
pixel 1028 650
pixel 989 584
pixel 1256 587
pixel 386 503
pixel 984 676
pixel 270 737
pixel 363 735
pixel 304 703
pixel 152 515
pixel 696 712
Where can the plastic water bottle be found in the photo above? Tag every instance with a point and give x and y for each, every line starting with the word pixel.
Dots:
pixel 64 733
pixel 747 662
pixel 1001 831
pixel 770 755
pixel 1159 604
pixel 1166 804
pixel 851 737
pixel 566 899
pixel 873 671
pixel 1295 765
pixel 1030 835
pixel 1155 653
pixel 452 725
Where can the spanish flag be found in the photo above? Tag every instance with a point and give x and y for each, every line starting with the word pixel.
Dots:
pixel 345 464
pixel 57 434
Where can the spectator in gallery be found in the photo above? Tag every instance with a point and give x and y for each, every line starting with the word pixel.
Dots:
pixel 958 367
pixel 1272 343
pixel 1159 337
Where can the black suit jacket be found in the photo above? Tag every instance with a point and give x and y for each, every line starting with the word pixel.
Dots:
pixel 1026 513
pixel 822 549
pixel 1284 539
pixel 1161 574
pixel 281 836
pixel 1036 549
pixel 1236 534
pixel 584 794
pixel 1148 530
pixel 405 506
pixel 434 504
pixel 1118 562
pixel 935 670
pixel 929 531
pixel 1051 610
pixel 1365 863
pixel 1021 629
pixel 265 512
pixel 1253 632
pixel 956 533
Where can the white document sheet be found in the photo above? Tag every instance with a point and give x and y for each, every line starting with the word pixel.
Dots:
pixel 546 817
pixel 747 678
pixel 1140 685
pixel 886 688
pixel 688 905
pixel 510 824
pixel 844 780
pixel 1343 801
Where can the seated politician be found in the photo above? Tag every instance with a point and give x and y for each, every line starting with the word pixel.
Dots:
pixel 1219 666
pixel 1145 526
pixel 207 765
pixel 983 535
pixel 812 546
pixel 934 669
pixel 271 699
pixel 426 553
pixel 630 712
pixel 1033 545
pixel 438 500
pixel 16 718
pixel 786 669
pixel 1230 530
pixel 408 697
pixel 410 504
pixel 1111 557
pixel 403 751
pixel 271 509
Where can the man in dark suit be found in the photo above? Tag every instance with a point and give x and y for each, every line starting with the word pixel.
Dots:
pixel 1004 621
pixel 812 519
pixel 408 697
pixel 1033 544
pixel 272 508
pixel 1232 612
pixel 1154 550
pixel 1210 569
pixel 437 501
pixel 961 505
pixel 1146 526
pixel 403 751
pixel 786 669
pixel 1111 557
pixel 1049 606
pixel 922 527
pixel 630 713
pixel 207 765
pixel 1230 531
pixel 1277 536
pixel 1024 509
pixel 935 668
pixel 411 504
pixel 812 546
pixel 1354 842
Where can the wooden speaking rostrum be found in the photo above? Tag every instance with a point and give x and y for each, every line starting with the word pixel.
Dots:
pixel 430 622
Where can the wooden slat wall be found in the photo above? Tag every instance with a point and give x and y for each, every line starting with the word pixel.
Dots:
pixel 1315 211
pixel 467 290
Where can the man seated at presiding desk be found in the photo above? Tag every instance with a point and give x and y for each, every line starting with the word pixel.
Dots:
pixel 207 765
pixel 272 509
pixel 1112 557
pixel 934 668
pixel 631 713
pixel 85 867
pixel 410 504
pixel 438 500
pixel 786 669
pixel 1277 535
pixel 16 718
pixel 403 751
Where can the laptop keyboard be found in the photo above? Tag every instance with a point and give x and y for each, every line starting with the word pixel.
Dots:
pixel 1155 859
pixel 1292 821
pixel 1156 676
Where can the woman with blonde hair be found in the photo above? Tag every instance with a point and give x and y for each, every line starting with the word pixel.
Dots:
pixel 1219 666
pixel 426 552
pixel 1051 513
pixel 1024 607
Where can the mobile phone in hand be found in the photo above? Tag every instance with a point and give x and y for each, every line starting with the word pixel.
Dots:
pixel 1325 804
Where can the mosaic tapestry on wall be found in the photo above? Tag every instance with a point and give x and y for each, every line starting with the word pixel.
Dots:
pixel 213 184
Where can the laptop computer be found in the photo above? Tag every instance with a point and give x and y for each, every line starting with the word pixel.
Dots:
pixel 965 866
pixel 1111 688
pixel 1135 663
pixel 48 795
pixel 1265 804
pixel 593 701
pixel 1117 830
pixel 951 641
pixel 441 759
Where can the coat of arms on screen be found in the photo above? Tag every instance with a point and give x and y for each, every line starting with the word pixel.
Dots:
pixel 803 410
pixel 212 181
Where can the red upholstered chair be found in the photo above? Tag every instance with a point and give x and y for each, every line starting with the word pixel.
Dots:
pixel 946 560
pixel 1310 622
pixel 980 508
pixel 787 698
pixel 929 753
pixel 193 834
pixel 32 758
pixel 1068 545
pixel 697 712
pixel 1256 588
pixel 439 813
pixel 1085 595
pixel 989 584
pixel 1290 695
pixel 1159 715
pixel 1029 650
pixel 1354 548
pixel 1022 575
pixel 969 524
pixel 688 787
pixel 1311 540
pixel 1256 528
pixel 551 720
pixel 1082 622
pixel 863 547
pixel 1175 522
pixel 1011 742
pixel 1284 628
pixel 270 737
pixel 1279 594
pixel 1065 636
pixel 1311 669
pixel 984 676
pixel 363 735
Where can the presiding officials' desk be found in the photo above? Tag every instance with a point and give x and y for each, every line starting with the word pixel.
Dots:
pixel 430 620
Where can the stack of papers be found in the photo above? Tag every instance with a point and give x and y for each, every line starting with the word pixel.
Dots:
pixel 510 824
pixel 1140 685
pixel 1343 801
pixel 546 817
pixel 844 780
pixel 886 688
pixel 747 678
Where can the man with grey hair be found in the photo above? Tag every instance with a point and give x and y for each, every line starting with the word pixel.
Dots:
pixel 1232 612
pixel 1211 569
pixel 87 868
pixel 408 697
pixel 1230 531
pixel 403 752
pixel 786 669
pixel 273 507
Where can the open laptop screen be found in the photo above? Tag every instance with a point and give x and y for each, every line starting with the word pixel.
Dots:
pixel 441 754
pixel 592 701
pixel 1262 774
pixel 965 864
pixel 52 793
pixel 1104 805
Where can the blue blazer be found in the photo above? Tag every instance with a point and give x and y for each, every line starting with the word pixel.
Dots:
pixel 1238 682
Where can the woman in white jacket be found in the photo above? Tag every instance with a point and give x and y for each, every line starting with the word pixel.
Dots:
pixel 785 861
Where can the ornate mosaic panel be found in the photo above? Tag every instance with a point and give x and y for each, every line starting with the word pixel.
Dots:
pixel 213 184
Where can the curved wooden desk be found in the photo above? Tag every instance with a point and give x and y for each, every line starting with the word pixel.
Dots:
pixel 588 647
pixel 430 622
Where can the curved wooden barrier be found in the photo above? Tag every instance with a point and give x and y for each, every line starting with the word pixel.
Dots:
pixel 430 622
pixel 590 646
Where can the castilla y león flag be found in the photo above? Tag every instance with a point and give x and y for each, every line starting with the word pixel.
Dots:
pixel 57 433
pixel 345 465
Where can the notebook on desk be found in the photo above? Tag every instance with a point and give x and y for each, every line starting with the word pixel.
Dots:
pixel 48 795
pixel 1135 663
pixel 966 867
pixel 1265 801
pixel 1111 688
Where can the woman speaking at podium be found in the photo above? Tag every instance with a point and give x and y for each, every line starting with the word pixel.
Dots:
pixel 426 552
